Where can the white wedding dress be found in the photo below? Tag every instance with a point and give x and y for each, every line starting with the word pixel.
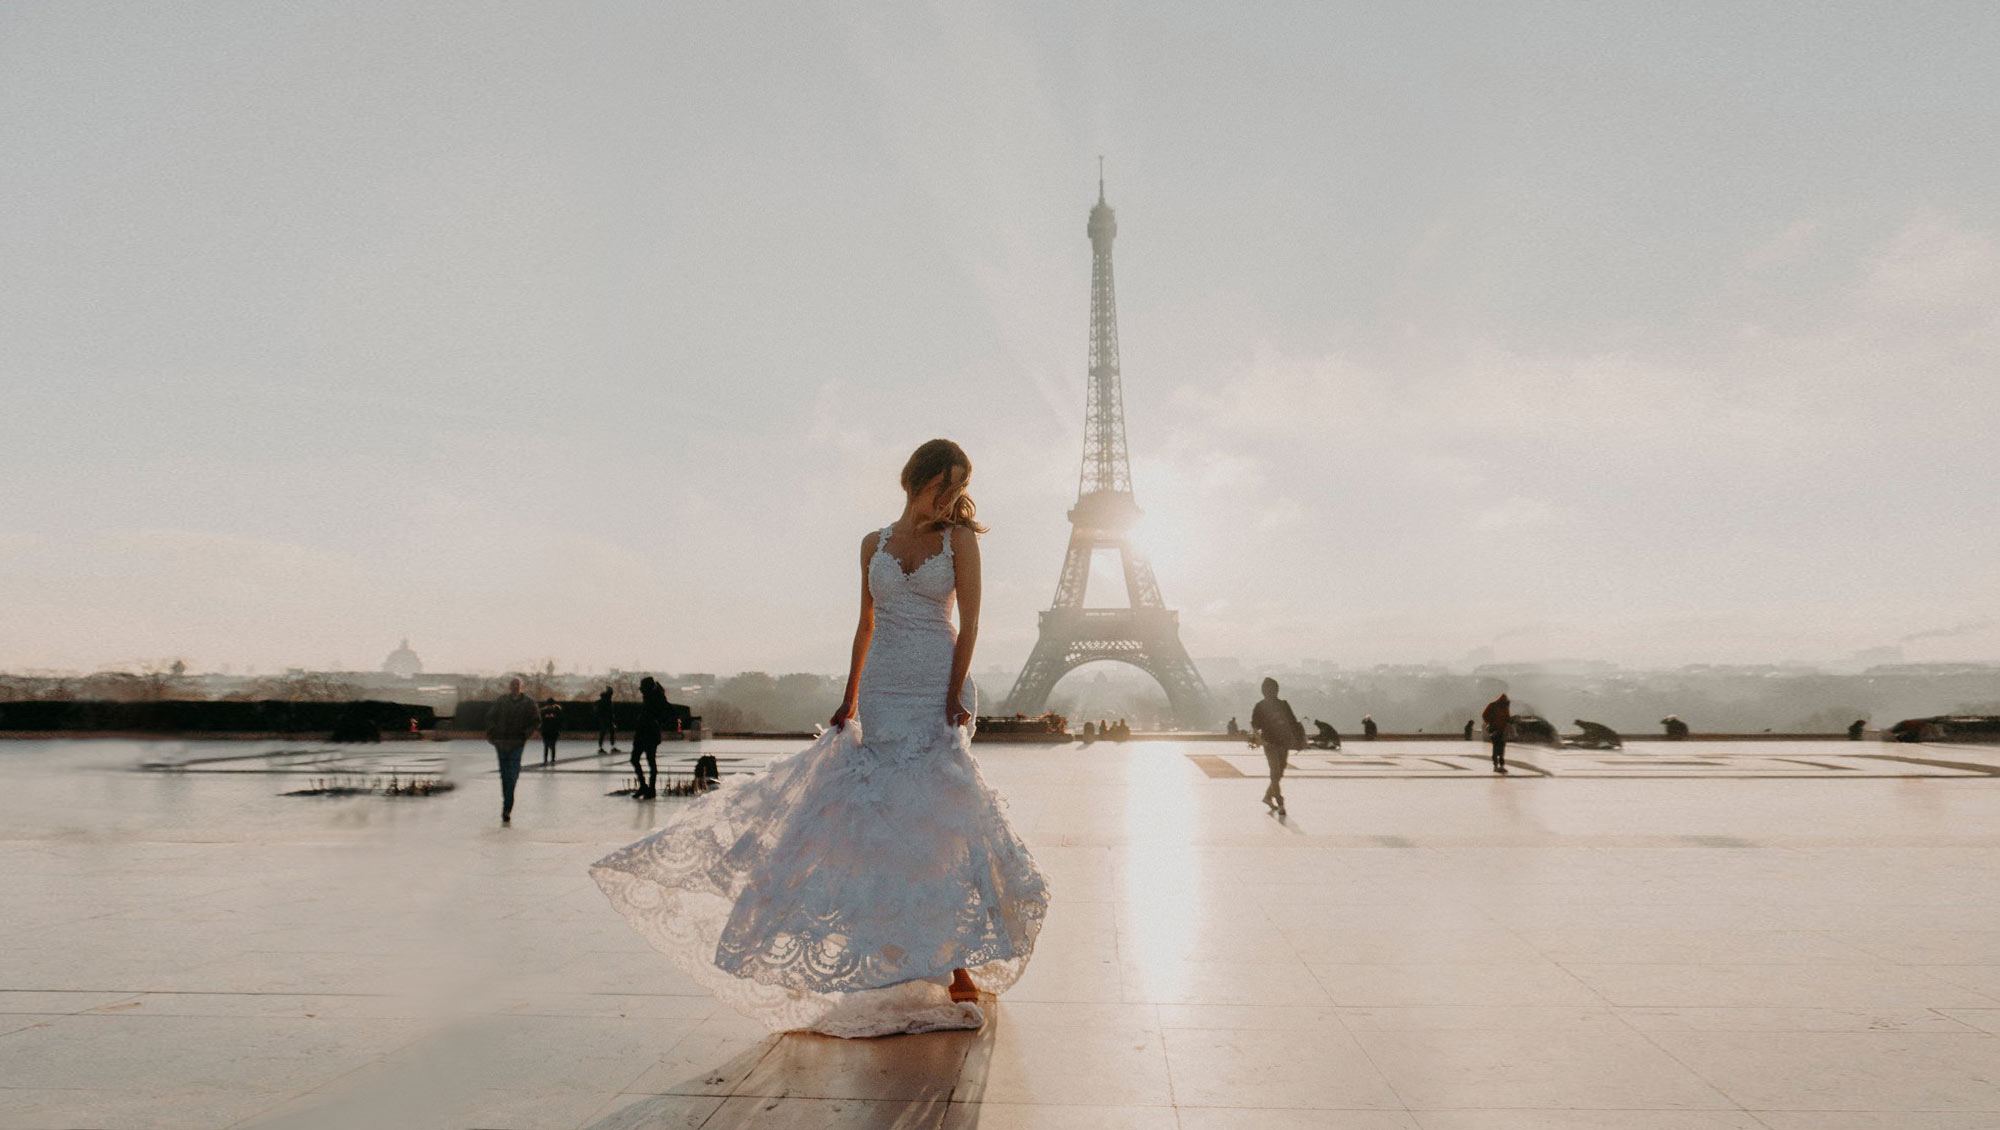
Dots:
pixel 837 890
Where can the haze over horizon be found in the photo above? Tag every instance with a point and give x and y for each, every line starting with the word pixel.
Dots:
pixel 1653 335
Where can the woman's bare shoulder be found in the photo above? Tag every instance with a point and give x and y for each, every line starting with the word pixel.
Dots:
pixel 963 539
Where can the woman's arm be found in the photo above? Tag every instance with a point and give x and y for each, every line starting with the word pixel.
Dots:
pixel 965 553
pixel 864 631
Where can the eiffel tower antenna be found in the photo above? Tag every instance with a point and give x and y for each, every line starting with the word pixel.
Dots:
pixel 1146 633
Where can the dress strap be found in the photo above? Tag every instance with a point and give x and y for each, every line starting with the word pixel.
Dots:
pixel 947 542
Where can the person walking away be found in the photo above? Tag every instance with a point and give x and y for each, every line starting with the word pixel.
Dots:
pixel 646 737
pixel 513 719
pixel 1497 715
pixel 607 722
pixel 551 729
pixel 1468 729
pixel 1279 732
pixel 1368 728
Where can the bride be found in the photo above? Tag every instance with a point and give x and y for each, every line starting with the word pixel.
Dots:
pixel 869 884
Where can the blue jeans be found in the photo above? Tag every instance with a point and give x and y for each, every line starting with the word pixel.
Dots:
pixel 510 771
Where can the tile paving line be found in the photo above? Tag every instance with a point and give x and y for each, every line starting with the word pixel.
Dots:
pixel 1218 767
pixel 128 993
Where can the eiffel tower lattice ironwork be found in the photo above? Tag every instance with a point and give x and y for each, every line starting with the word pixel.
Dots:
pixel 1147 633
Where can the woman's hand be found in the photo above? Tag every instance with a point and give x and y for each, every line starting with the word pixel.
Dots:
pixel 840 716
pixel 956 713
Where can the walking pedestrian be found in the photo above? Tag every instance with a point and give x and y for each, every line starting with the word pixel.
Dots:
pixel 607 722
pixel 646 737
pixel 511 721
pixel 1497 715
pixel 1279 732
pixel 551 729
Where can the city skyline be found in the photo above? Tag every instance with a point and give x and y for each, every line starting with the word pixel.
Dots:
pixel 1656 337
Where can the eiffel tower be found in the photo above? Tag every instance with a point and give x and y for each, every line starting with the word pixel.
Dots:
pixel 1147 633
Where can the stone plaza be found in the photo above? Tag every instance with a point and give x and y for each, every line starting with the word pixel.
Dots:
pixel 1677 936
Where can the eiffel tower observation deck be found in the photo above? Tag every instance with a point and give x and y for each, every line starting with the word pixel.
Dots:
pixel 1144 632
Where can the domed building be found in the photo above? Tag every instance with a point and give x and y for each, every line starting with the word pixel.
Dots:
pixel 403 663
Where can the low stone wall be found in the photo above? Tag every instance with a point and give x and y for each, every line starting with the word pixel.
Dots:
pixel 174 716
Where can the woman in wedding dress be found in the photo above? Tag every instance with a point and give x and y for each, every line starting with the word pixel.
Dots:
pixel 869 884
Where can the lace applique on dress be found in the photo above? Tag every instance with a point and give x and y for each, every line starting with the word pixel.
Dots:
pixel 837 890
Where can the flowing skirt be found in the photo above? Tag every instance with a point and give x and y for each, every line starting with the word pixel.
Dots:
pixel 838 890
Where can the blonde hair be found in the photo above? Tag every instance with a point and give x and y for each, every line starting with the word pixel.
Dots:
pixel 936 459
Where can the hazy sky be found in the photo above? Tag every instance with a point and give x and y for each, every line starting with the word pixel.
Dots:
pixel 1659 333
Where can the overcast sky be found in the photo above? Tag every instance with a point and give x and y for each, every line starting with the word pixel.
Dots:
pixel 1658 333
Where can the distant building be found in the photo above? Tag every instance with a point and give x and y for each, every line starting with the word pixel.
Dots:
pixel 403 663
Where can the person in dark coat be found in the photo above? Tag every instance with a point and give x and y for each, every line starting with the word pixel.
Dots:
pixel 513 719
pixel 551 729
pixel 1497 716
pixel 1368 728
pixel 1468 729
pixel 1278 731
pixel 1855 728
pixel 653 712
pixel 607 721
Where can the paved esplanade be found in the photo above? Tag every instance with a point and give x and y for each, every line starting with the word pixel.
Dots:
pixel 1808 948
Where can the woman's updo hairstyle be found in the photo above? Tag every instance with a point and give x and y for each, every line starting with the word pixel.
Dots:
pixel 935 460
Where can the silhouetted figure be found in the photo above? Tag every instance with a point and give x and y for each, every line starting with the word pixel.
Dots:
pixel 1855 728
pixel 551 729
pixel 1677 730
pixel 706 773
pixel 607 722
pixel 1468 729
pixel 1234 729
pixel 513 719
pixel 1596 735
pixel 653 714
pixel 1279 732
pixel 1329 738
pixel 1367 728
pixel 1497 715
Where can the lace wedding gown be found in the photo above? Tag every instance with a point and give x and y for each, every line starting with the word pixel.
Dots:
pixel 838 890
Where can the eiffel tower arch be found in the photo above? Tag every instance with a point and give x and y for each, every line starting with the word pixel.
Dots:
pixel 1146 633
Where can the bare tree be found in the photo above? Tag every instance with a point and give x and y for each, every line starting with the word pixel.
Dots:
pixel 36 688
pixel 303 686
pixel 163 679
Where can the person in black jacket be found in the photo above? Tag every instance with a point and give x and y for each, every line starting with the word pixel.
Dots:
pixel 510 722
pixel 1279 732
pixel 607 722
pixel 551 729
pixel 653 711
